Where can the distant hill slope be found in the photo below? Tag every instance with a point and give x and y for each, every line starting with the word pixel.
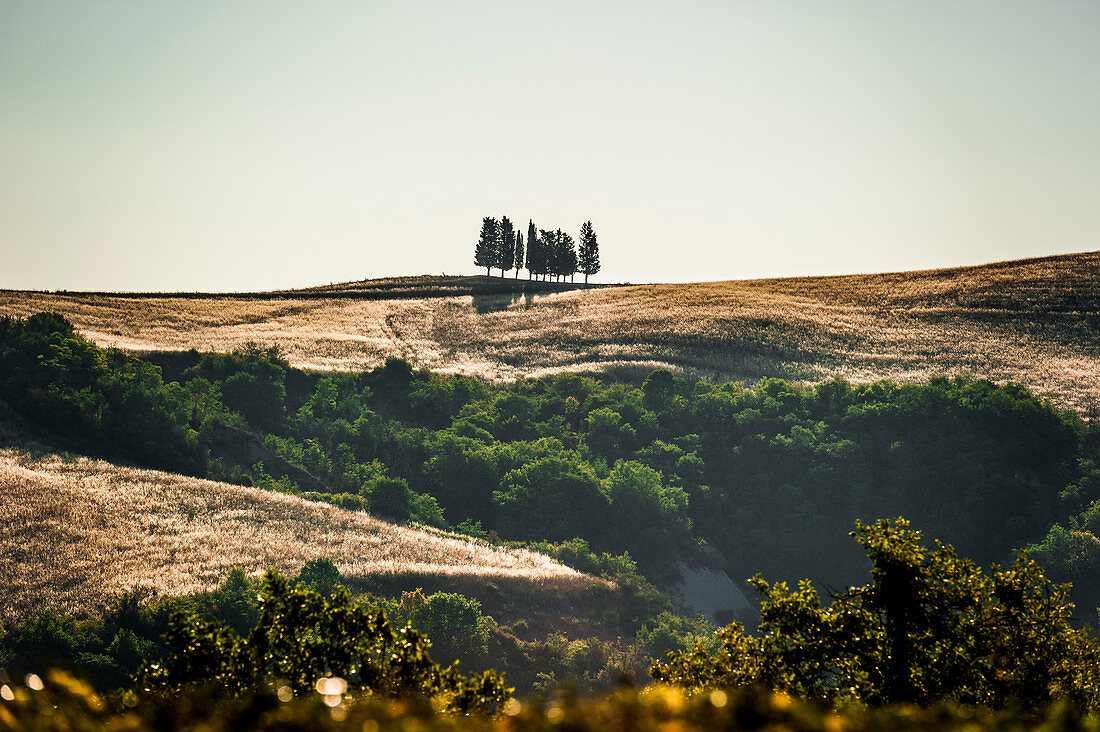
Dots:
pixel 435 286
pixel 386 288
pixel 1033 321
pixel 76 529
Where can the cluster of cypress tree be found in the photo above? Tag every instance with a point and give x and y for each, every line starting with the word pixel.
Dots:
pixel 548 253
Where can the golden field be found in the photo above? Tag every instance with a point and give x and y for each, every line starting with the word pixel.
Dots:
pixel 1036 322
pixel 76 529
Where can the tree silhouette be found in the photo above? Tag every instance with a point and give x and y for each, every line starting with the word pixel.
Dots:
pixel 519 253
pixel 546 248
pixel 487 252
pixel 589 254
pixel 507 245
pixel 532 246
pixel 567 257
pixel 547 253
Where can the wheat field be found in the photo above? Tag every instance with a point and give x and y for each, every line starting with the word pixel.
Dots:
pixel 75 529
pixel 1035 322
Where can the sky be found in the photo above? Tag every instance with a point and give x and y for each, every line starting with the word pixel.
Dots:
pixel 235 146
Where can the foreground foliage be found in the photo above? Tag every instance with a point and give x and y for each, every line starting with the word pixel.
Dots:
pixel 933 642
pixel 107 649
pixel 63 703
pixel 930 627
pixel 302 639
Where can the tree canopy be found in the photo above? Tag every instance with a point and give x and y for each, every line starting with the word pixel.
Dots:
pixel 306 640
pixel 929 627
pixel 588 257
pixel 487 251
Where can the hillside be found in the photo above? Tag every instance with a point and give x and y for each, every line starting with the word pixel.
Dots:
pixel 388 288
pixel 77 529
pixel 1036 322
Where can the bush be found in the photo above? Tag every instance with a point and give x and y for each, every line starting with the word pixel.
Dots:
pixel 455 625
pixel 931 627
pixel 302 638
pixel 259 399
pixel 319 575
pixel 553 498
pixel 647 515
pixel 390 497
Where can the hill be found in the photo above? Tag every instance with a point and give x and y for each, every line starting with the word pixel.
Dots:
pixel 1036 322
pixel 77 529
pixel 380 288
pixel 444 285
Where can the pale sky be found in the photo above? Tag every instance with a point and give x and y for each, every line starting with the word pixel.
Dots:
pixel 254 145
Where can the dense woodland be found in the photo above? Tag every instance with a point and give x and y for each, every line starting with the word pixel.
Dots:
pixel 615 478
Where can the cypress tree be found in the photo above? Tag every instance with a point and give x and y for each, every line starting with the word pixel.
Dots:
pixel 487 251
pixel 519 253
pixel 506 246
pixel 532 246
pixel 589 255
pixel 559 255
pixel 568 263
pixel 547 247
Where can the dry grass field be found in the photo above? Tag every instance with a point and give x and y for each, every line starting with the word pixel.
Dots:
pixel 75 529
pixel 1036 322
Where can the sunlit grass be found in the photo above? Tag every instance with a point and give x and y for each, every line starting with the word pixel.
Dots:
pixel 75 529
pixel 1036 322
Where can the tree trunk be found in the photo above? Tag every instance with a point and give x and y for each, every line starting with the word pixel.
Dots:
pixel 897 594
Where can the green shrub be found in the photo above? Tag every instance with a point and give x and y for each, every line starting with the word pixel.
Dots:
pixel 319 575
pixel 455 625
pixel 553 498
pixel 391 498
pixel 302 638
pixel 930 627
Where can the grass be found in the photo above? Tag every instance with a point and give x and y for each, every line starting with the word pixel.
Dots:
pixel 76 529
pixel 1035 322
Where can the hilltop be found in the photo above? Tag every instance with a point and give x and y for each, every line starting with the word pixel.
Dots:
pixel 379 288
pixel 434 286
pixel 1030 321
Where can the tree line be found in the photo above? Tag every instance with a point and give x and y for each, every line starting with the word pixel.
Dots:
pixel 549 253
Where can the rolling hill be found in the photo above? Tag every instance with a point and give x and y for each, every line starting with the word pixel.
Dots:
pixel 1036 322
pixel 77 529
